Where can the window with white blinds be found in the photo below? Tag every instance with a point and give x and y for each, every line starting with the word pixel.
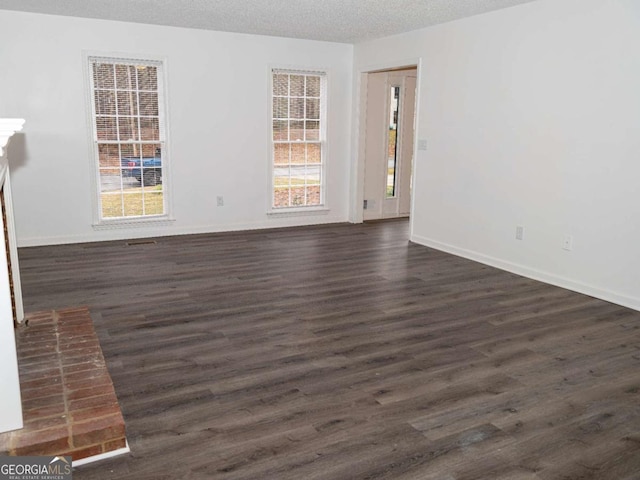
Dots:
pixel 128 132
pixel 298 138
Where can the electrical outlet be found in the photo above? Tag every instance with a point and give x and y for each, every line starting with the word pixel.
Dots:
pixel 220 200
pixel 365 204
pixel 519 232
pixel 567 243
pixel 422 144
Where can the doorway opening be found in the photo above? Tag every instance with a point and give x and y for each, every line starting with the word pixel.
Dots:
pixel 389 124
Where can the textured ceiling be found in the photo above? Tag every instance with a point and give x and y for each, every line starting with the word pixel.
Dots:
pixel 348 21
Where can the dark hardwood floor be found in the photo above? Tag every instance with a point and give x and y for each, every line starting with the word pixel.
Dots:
pixel 346 352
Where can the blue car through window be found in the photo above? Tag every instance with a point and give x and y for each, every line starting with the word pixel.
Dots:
pixel 149 174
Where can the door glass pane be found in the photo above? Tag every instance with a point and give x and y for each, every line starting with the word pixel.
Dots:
pixel 392 146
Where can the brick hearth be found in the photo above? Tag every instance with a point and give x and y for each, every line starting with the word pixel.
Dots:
pixel 68 401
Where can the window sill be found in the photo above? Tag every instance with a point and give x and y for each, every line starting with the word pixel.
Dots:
pixel 298 212
pixel 133 223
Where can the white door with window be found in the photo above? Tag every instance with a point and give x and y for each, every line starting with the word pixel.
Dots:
pixel 389 143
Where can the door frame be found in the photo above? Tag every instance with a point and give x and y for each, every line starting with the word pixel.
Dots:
pixel 360 115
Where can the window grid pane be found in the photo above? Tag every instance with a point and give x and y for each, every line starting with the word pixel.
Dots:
pixel 297 125
pixel 128 135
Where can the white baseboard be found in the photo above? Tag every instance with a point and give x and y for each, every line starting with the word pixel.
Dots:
pixel 102 456
pixel 165 231
pixel 529 272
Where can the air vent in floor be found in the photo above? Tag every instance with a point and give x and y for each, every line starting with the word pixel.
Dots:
pixel 142 241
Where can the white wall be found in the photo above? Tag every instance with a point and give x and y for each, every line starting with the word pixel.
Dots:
pixel 218 114
pixel 532 117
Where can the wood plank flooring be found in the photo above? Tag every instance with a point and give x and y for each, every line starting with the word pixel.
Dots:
pixel 346 352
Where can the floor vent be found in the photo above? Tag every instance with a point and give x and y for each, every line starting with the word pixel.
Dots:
pixel 143 241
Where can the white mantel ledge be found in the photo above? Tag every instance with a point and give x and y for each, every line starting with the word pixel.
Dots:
pixel 8 126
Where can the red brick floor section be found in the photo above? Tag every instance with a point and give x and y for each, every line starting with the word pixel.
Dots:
pixel 68 401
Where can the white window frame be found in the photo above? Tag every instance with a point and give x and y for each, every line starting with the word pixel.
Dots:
pixel 323 207
pixel 99 223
